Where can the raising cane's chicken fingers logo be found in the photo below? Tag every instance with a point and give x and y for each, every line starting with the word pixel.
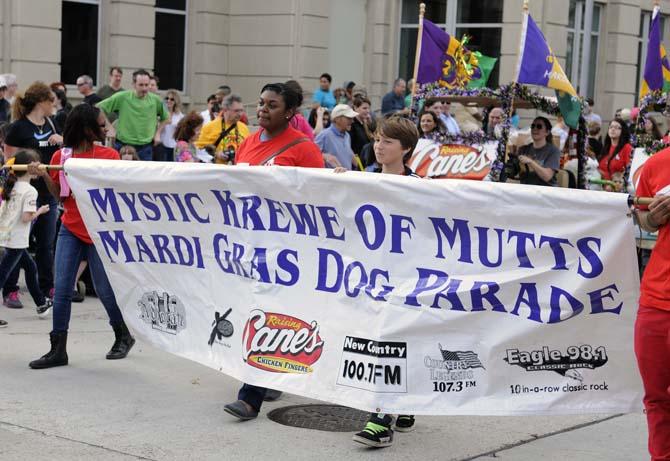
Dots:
pixel 280 343
pixel 451 160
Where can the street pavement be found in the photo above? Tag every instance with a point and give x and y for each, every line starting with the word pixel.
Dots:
pixel 156 406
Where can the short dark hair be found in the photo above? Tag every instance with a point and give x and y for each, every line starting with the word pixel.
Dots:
pixel 211 97
pixel 139 72
pixel 327 76
pixel 292 98
pixel 154 77
pixel 590 101
pixel 402 129
pixel 359 100
pixel 547 125
pixel 81 126
pixel 115 68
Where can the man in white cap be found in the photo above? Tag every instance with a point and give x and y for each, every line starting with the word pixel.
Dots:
pixel 4 104
pixel 335 139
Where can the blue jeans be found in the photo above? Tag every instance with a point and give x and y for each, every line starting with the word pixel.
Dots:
pixel 15 257
pixel 44 231
pixel 253 395
pixel 144 152
pixel 69 253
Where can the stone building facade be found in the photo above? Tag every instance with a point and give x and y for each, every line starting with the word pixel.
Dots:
pixel 197 45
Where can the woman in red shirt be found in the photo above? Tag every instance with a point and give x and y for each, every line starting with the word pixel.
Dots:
pixel 277 143
pixel 83 128
pixel 617 150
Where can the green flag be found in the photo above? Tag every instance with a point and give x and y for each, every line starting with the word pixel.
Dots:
pixel 570 108
pixel 486 64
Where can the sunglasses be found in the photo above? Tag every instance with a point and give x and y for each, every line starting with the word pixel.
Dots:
pixel 169 99
pixel 81 84
pixel 537 126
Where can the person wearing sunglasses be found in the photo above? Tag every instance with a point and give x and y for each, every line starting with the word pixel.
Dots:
pixel 85 88
pixel 164 139
pixel 541 159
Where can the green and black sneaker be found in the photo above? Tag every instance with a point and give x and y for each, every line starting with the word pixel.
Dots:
pixel 377 432
pixel 404 423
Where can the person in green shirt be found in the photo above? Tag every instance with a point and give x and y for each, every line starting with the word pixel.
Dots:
pixel 139 112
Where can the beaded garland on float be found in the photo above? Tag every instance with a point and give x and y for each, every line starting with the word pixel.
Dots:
pixel 654 101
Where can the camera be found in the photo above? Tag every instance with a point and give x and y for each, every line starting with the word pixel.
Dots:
pixel 230 152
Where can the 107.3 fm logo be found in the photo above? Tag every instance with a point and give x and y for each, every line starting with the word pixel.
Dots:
pixel 280 343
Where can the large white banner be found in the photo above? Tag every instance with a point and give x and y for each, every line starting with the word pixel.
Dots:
pixel 379 292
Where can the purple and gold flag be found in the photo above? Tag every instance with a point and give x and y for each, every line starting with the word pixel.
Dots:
pixel 439 59
pixel 539 66
pixel 656 67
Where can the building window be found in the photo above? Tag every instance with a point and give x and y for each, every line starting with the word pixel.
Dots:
pixel 79 40
pixel 481 20
pixel 643 38
pixel 170 43
pixel 573 59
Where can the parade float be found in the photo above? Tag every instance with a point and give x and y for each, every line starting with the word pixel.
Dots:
pixel 444 67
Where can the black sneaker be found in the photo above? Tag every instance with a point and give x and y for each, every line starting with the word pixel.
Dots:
pixel 44 309
pixel 77 297
pixel 377 433
pixel 3 324
pixel 404 423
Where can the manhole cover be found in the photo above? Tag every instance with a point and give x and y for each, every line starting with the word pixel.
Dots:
pixel 331 418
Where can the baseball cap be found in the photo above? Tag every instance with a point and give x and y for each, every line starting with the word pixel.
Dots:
pixel 342 110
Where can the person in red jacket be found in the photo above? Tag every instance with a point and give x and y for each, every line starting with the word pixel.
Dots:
pixel 276 143
pixel 652 327
pixel 616 153
pixel 83 129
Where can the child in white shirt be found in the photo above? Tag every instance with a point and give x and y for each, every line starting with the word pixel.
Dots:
pixel 17 211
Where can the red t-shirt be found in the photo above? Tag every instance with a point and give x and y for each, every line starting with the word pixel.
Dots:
pixel 655 289
pixel 618 163
pixel 71 218
pixel 254 151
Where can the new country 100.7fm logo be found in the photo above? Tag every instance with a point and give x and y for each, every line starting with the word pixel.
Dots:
pixel 281 343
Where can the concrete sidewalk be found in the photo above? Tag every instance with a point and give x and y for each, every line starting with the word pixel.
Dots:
pixel 156 406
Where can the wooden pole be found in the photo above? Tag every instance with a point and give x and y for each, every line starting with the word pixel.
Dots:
pixel 25 167
pixel 518 64
pixel 641 201
pixel 417 55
